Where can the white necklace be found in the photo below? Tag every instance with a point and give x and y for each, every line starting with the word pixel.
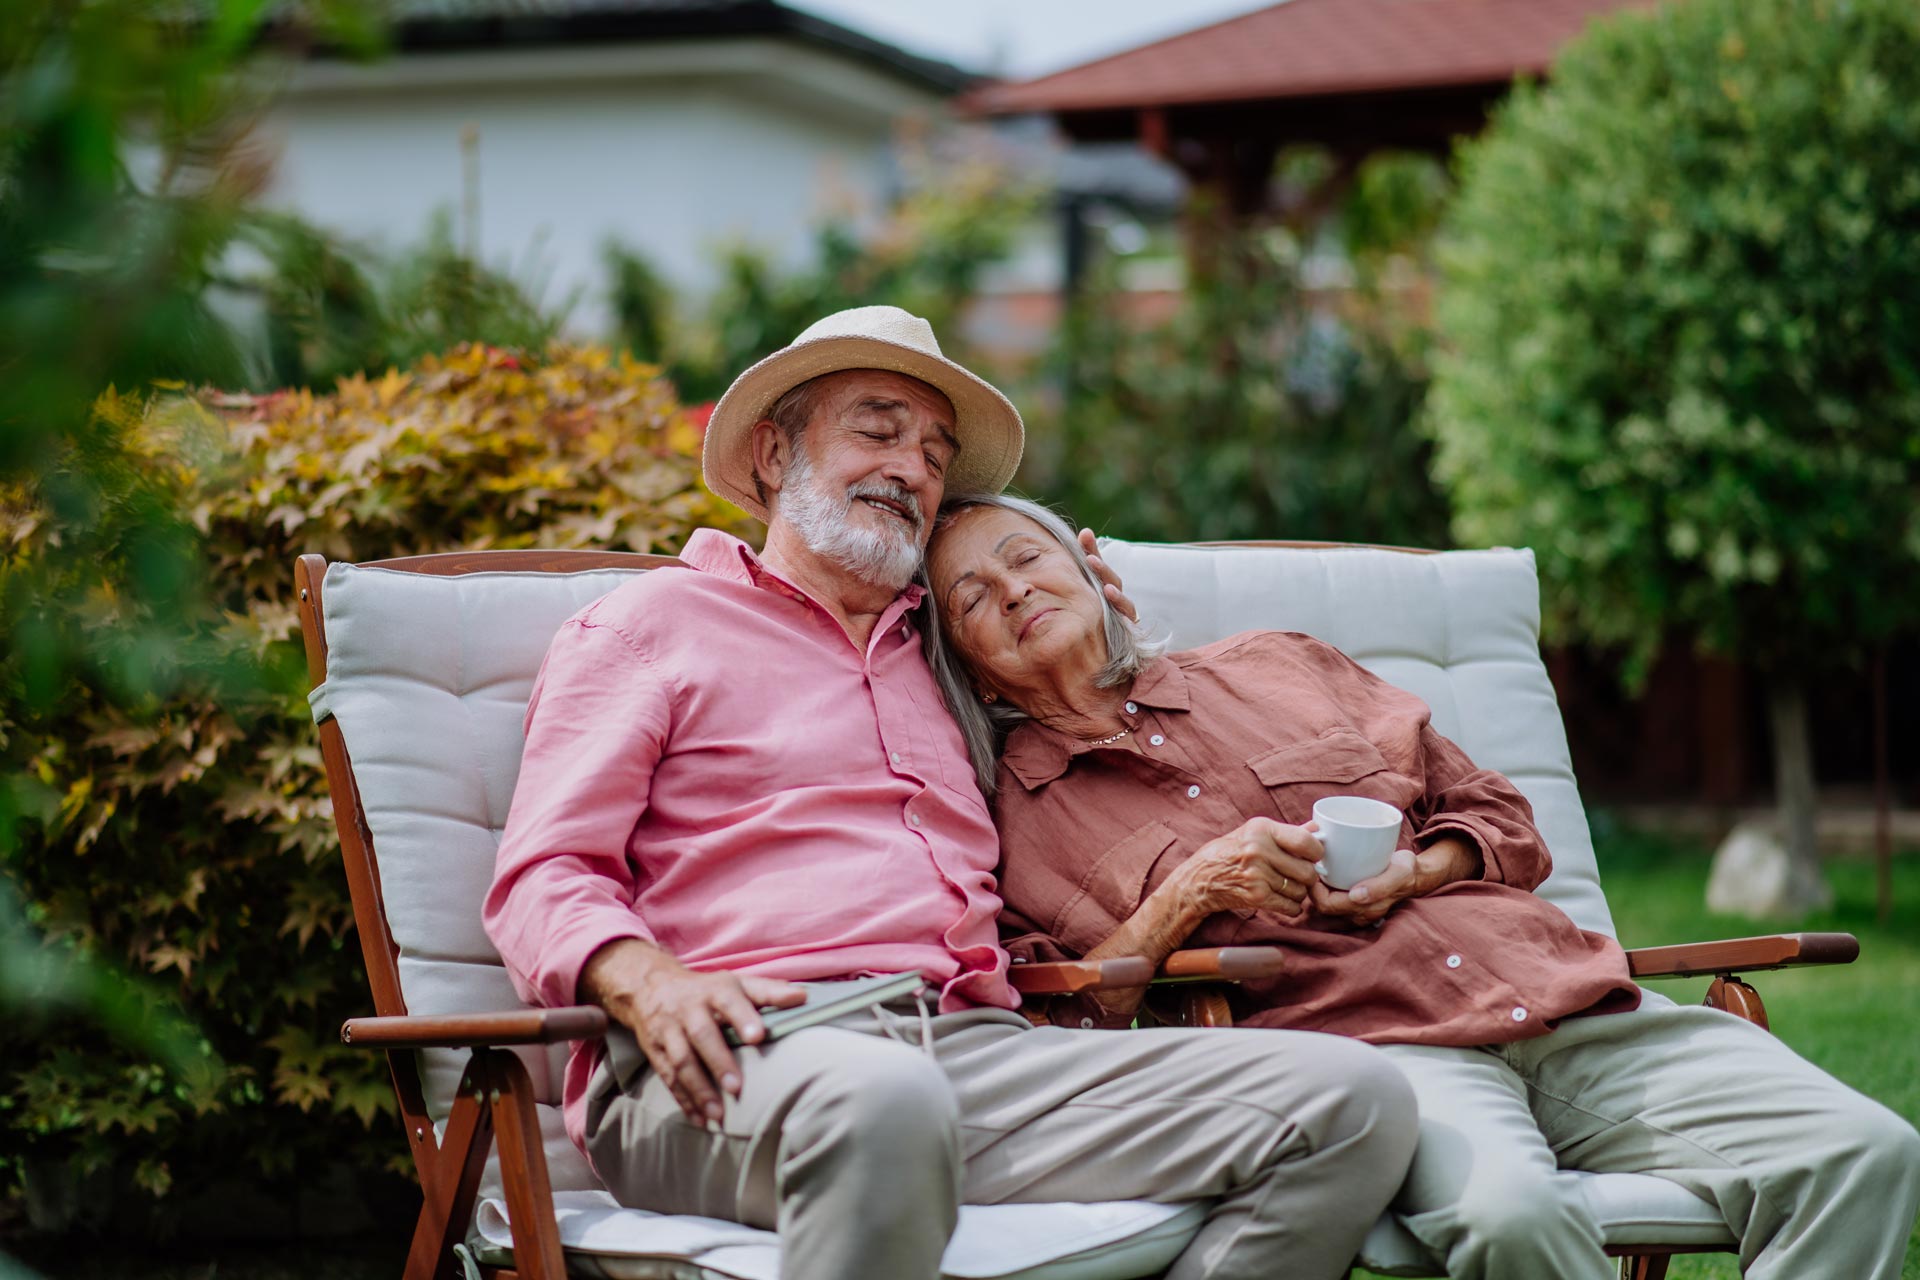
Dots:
pixel 1109 740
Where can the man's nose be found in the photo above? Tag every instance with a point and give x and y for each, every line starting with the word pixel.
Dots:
pixel 906 466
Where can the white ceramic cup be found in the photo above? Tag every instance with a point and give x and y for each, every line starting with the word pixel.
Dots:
pixel 1359 836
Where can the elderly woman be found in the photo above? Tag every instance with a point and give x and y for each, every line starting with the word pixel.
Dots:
pixel 1149 801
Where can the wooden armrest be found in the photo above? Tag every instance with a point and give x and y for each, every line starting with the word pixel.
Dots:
pixel 1065 977
pixel 461 1030
pixel 1209 964
pixel 1743 955
pixel 1222 964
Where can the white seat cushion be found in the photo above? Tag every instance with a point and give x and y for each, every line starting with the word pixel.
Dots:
pixel 992 1242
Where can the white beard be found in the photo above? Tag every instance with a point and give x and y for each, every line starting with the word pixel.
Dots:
pixel 883 557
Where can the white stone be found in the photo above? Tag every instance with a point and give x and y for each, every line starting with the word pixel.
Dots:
pixel 1754 876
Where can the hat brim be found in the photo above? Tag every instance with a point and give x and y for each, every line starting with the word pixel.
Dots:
pixel 987 426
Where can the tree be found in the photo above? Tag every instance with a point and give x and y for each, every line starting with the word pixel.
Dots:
pixel 1680 288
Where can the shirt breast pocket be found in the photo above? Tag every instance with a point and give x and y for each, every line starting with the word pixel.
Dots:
pixel 1338 762
pixel 1112 888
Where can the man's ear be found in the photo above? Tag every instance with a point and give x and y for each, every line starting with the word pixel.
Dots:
pixel 771 453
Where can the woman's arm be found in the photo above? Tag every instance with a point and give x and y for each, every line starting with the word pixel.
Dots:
pixel 1260 865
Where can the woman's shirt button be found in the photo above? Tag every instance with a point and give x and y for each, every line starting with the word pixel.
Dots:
pixel 1131 708
pixel 1193 792
pixel 1157 740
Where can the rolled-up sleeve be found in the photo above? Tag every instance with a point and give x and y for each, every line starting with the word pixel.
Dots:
pixel 1484 807
pixel 563 883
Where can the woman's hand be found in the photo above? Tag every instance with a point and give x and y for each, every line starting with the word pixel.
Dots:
pixel 1408 875
pixel 1261 865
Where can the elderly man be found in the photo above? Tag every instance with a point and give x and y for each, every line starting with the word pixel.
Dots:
pixel 740 778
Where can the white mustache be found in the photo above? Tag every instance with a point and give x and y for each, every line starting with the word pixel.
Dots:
pixel 891 493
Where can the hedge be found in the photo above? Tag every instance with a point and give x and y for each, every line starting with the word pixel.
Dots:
pixel 191 839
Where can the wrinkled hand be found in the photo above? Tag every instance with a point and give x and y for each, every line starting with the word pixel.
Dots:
pixel 677 1015
pixel 1109 580
pixel 1370 899
pixel 1408 875
pixel 1261 865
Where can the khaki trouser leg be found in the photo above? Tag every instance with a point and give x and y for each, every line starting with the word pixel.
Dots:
pixel 1814 1179
pixel 844 1142
pixel 1300 1139
pixel 1485 1193
pixel 858 1149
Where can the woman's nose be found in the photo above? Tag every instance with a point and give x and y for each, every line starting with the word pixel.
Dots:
pixel 1017 589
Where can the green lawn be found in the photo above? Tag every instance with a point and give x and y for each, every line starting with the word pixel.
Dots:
pixel 1860 1021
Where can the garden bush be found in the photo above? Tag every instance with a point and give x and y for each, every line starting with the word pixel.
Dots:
pixel 1680 290
pixel 188 836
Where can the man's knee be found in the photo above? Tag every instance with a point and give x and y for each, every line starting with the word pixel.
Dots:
pixel 881 1093
pixel 1372 1104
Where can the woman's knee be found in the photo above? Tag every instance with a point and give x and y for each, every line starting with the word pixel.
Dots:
pixel 1521 1212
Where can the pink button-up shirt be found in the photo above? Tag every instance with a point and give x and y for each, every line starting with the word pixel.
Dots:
pixel 713 766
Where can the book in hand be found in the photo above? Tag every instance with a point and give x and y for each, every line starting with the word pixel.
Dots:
pixel 829 1000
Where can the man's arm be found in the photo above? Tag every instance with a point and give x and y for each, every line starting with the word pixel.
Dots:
pixel 560 907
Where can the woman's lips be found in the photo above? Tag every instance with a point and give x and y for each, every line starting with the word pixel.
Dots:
pixel 1028 625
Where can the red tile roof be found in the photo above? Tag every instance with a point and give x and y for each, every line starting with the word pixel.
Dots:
pixel 1308 48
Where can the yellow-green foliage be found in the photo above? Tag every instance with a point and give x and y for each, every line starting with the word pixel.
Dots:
pixel 191 839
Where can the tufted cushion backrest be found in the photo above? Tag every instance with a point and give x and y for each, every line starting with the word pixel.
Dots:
pixel 1459 629
pixel 428 677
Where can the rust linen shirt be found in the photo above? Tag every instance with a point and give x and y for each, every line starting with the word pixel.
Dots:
pixel 1262 725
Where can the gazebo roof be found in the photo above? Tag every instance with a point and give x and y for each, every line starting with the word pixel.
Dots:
pixel 1313 49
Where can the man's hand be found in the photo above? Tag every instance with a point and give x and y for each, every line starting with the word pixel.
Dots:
pixel 1408 875
pixel 1109 580
pixel 677 1014
pixel 1261 865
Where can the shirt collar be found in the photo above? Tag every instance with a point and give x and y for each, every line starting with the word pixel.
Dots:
pixel 725 556
pixel 1037 754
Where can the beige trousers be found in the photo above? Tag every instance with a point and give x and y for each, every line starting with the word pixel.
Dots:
pixel 859 1147
pixel 1815 1179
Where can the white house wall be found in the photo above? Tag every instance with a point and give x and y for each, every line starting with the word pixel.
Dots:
pixel 676 149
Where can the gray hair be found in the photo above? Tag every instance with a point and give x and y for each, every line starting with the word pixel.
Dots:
pixel 791 413
pixel 985 726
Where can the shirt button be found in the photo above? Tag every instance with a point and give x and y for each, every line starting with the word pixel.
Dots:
pixel 1157 740
pixel 914 818
pixel 1519 1014
pixel 1193 792
pixel 1086 1024
pixel 894 756
pixel 1453 962
pixel 1131 708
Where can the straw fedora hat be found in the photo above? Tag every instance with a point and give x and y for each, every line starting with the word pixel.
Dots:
pixel 984 421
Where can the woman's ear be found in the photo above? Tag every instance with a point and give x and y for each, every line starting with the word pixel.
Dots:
pixel 988 696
